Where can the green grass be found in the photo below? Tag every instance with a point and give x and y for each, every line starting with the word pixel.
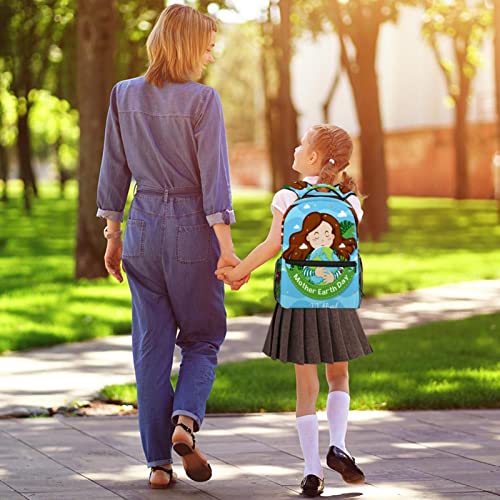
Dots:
pixel 432 242
pixel 442 365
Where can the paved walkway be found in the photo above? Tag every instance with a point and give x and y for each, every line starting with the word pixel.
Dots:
pixel 58 375
pixel 408 455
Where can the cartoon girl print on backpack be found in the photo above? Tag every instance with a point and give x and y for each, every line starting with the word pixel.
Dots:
pixel 320 239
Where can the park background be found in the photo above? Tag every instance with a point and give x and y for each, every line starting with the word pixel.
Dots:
pixel 415 82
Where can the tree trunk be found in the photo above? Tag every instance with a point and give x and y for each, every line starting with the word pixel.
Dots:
pixel 95 28
pixel 460 131
pixel 460 146
pixel 24 155
pixel 4 171
pixel 496 31
pixel 331 92
pixel 272 133
pixel 364 84
pixel 286 121
pixel 376 216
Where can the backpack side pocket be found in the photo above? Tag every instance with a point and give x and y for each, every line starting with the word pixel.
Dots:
pixel 277 280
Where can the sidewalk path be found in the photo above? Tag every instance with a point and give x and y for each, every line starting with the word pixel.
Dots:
pixel 58 375
pixel 409 455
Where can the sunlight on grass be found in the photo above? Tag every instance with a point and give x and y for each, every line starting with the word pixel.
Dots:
pixel 452 364
pixel 432 242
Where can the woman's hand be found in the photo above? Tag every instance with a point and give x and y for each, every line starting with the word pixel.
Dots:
pixel 230 260
pixel 113 258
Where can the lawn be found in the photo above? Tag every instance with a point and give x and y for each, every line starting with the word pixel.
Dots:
pixel 442 365
pixel 432 242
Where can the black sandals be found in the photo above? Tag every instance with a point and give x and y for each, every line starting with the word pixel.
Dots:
pixel 172 477
pixel 195 464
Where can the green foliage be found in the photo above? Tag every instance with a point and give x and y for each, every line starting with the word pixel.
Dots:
pixel 53 124
pixel 31 47
pixel 442 365
pixel 357 18
pixel 464 24
pixel 8 110
pixel 136 19
pixel 432 242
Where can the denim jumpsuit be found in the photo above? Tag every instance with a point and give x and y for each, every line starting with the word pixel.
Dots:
pixel 172 141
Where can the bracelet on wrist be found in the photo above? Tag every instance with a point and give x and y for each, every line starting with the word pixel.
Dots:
pixel 112 235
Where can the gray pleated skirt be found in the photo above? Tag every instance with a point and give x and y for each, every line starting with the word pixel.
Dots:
pixel 313 336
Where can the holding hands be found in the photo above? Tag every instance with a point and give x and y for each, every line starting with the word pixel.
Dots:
pixel 229 271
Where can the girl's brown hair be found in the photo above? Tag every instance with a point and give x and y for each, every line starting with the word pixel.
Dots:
pixel 334 146
pixel 177 43
pixel 300 248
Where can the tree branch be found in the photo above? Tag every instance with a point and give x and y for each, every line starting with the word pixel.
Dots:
pixel 439 59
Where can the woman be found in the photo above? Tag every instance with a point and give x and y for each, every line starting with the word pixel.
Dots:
pixel 167 132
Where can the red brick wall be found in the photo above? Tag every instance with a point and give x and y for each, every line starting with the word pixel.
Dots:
pixel 421 162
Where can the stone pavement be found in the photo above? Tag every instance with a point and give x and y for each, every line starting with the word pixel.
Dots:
pixel 58 375
pixel 409 455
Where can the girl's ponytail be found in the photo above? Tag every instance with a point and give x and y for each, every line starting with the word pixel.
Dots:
pixel 334 145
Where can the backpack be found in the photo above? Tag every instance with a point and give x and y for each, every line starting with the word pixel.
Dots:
pixel 320 266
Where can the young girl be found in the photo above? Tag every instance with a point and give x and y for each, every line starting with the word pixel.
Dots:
pixel 307 337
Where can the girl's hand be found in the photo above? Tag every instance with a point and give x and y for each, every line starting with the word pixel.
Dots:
pixel 113 259
pixel 222 272
pixel 229 275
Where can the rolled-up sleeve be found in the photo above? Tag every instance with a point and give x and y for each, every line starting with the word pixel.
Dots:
pixel 211 144
pixel 114 176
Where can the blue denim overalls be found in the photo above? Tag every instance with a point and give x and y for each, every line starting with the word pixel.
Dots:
pixel 172 141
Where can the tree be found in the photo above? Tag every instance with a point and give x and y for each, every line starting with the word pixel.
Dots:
pixel 280 113
pixel 135 21
pixel 464 24
pixel 240 94
pixel 29 49
pixel 8 120
pixel 96 23
pixel 496 30
pixel 357 25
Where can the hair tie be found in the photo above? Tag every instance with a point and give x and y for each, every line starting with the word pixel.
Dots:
pixel 332 161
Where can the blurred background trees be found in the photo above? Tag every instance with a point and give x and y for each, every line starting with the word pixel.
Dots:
pixel 463 25
pixel 60 58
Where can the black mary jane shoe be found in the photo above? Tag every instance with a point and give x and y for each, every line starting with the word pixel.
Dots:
pixel 312 486
pixel 345 465
pixel 162 486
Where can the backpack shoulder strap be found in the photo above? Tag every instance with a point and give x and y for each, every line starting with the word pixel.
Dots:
pixel 299 188
pixel 341 194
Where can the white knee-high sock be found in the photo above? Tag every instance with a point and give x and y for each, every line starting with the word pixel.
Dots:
pixel 307 428
pixel 337 412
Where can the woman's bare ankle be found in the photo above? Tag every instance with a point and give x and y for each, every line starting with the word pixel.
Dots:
pixel 187 421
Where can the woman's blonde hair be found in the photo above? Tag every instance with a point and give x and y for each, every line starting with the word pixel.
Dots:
pixel 334 146
pixel 177 43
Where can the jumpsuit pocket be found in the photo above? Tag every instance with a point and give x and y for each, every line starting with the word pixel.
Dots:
pixel 133 243
pixel 193 243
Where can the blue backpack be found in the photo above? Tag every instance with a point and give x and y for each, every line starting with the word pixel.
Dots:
pixel 320 264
